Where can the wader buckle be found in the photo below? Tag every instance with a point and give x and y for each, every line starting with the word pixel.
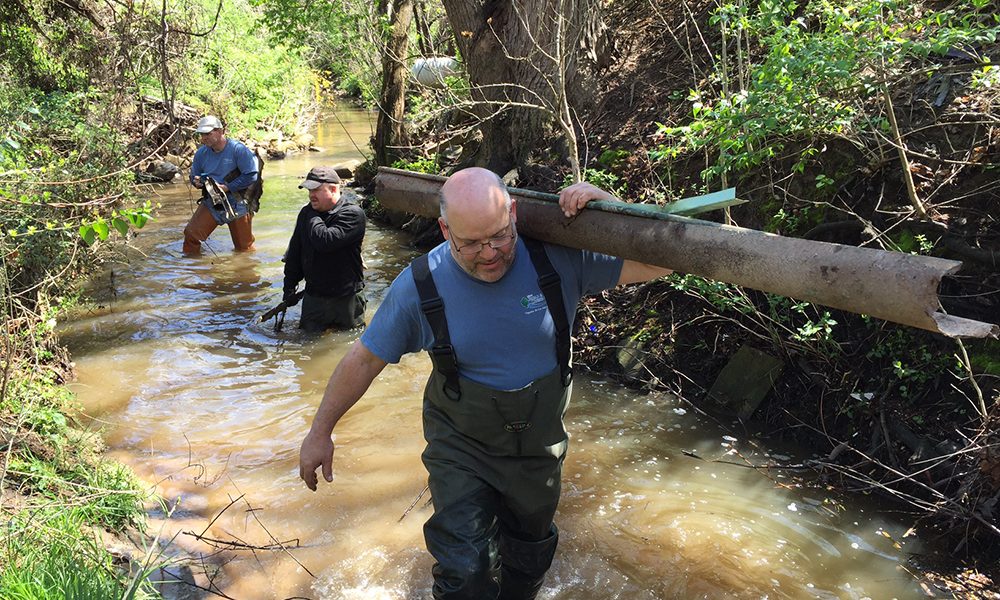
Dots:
pixel 444 361
pixel 442 350
pixel 517 426
pixel 433 305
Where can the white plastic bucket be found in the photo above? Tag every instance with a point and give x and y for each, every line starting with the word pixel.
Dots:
pixel 433 70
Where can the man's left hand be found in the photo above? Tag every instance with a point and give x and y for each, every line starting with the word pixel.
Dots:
pixel 575 197
pixel 290 299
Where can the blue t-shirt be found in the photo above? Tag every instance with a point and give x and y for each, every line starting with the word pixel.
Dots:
pixel 502 332
pixel 217 165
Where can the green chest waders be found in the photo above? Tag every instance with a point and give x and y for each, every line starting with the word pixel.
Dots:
pixel 494 460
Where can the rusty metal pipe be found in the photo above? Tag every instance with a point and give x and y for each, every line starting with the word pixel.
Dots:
pixel 893 286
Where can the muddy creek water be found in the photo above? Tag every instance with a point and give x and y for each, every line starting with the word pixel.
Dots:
pixel 210 407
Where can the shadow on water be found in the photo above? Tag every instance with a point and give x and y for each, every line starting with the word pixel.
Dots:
pixel 210 405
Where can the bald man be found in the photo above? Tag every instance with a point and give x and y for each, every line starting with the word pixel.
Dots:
pixel 494 310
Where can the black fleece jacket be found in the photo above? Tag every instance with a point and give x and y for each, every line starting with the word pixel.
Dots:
pixel 325 250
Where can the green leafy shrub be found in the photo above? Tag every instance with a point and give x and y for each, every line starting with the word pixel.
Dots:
pixel 824 61
pixel 419 165
pixel 344 39
pixel 913 363
pixel 66 182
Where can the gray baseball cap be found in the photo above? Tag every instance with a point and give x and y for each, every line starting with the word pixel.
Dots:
pixel 208 124
pixel 318 176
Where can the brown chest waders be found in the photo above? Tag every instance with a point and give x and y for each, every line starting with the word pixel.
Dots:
pixel 494 460
pixel 206 218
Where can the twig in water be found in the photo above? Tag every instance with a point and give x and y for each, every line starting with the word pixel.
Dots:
pixel 412 504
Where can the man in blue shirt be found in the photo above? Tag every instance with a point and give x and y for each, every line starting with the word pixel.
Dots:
pixel 232 166
pixel 494 311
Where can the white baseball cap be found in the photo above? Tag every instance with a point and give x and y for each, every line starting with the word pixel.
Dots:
pixel 208 124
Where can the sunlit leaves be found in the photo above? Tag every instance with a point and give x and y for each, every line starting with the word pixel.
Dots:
pixel 808 72
pixel 120 225
pixel 87 233
pixel 100 228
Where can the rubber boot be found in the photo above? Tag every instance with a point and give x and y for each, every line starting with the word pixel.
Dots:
pixel 523 565
pixel 462 539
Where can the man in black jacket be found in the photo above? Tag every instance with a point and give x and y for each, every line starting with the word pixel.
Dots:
pixel 325 250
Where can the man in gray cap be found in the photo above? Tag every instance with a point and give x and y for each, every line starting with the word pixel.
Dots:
pixel 233 170
pixel 325 250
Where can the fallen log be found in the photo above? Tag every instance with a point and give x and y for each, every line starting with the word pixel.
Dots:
pixel 897 287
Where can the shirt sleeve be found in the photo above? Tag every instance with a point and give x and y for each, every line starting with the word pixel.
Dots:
pixel 398 326
pixel 293 260
pixel 346 227
pixel 600 272
pixel 584 272
pixel 246 162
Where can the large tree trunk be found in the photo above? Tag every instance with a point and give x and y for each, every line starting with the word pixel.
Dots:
pixel 515 53
pixel 390 133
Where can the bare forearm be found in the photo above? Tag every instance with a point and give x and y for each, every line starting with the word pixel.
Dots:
pixel 634 272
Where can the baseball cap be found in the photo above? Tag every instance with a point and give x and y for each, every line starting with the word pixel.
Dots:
pixel 208 124
pixel 318 176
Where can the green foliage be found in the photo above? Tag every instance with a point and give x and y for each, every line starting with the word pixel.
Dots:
pixel 241 73
pixel 53 56
pixel 419 165
pixel 795 220
pixel 603 179
pixel 613 160
pixel 780 319
pixel 723 296
pixel 823 181
pixel 985 78
pixel 297 22
pixel 58 461
pixel 431 103
pixel 344 39
pixel 985 356
pixel 913 363
pixel 819 64
pixel 813 331
pixel 47 549
pixel 65 181
pixel 49 555
pixel 907 241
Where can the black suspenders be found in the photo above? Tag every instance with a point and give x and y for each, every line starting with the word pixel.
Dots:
pixel 443 353
pixel 548 282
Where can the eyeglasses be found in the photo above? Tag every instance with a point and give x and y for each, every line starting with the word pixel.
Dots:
pixel 497 242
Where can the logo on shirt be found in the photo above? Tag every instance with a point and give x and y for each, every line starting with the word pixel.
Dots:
pixel 532 302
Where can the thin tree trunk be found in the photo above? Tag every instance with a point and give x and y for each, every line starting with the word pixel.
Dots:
pixel 424 41
pixel 390 131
